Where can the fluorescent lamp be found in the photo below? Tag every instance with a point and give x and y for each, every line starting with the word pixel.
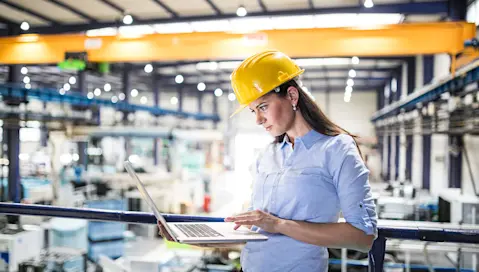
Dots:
pixel 246 25
pixel 322 61
pixel 211 26
pixel 135 31
pixel 173 28
pixel 293 22
pixel 107 31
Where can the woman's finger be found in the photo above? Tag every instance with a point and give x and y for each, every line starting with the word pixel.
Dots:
pixel 240 217
pixel 247 222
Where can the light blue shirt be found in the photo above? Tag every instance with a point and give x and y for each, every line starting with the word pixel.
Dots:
pixel 321 177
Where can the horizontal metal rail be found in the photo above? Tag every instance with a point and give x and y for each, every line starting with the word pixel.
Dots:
pixel 376 255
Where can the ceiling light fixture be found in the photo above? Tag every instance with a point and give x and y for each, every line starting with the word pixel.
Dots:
pixel 241 11
pixel 368 3
pixel 148 68
pixel 25 26
pixel 127 19
pixel 179 79
pixel 134 93
pixel 201 86
pixel 107 87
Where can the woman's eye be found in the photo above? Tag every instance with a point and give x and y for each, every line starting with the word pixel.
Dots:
pixel 263 108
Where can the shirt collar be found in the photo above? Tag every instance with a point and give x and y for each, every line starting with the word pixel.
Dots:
pixel 285 141
pixel 308 139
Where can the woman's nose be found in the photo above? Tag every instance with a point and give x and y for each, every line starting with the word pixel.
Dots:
pixel 259 119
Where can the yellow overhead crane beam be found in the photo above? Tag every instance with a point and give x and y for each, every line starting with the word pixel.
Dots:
pixel 390 40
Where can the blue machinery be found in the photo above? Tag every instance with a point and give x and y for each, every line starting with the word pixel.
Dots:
pixel 376 255
pixel 452 83
pixel 78 99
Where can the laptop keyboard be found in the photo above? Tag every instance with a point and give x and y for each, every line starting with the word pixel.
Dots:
pixel 198 230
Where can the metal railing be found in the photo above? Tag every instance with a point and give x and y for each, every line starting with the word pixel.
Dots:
pixel 376 255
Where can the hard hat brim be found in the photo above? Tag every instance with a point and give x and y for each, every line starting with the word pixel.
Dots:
pixel 240 108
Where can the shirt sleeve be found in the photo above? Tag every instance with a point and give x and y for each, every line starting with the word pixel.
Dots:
pixel 351 179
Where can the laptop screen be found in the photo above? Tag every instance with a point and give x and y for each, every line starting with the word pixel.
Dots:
pixel 131 171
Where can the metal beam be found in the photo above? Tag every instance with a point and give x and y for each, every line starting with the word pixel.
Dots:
pixel 262 5
pixel 114 6
pixel 167 8
pixel 419 8
pixel 74 10
pixel 8 22
pixel 29 11
pixel 392 40
pixel 214 7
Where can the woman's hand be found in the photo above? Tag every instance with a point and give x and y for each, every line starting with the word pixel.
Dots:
pixel 163 233
pixel 258 218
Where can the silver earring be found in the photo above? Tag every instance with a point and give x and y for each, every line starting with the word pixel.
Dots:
pixel 294 107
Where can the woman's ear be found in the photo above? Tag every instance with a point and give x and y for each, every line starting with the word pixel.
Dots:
pixel 293 95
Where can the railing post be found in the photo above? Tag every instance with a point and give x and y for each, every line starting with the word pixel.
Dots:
pixel 376 255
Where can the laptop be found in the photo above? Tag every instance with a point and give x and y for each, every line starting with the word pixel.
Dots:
pixel 196 232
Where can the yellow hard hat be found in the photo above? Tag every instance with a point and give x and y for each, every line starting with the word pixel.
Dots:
pixel 260 74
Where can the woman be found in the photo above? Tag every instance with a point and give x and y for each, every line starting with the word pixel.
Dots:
pixel 304 179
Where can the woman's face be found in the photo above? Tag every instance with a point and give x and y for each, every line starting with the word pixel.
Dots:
pixel 273 113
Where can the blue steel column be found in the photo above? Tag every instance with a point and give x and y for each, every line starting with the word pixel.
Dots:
pixel 376 255
pixel 12 134
pixel 200 102
pixel 411 74
pixel 180 98
pixel 82 145
pixel 156 101
pixel 428 69
pixel 428 75
pixel 399 92
pixel 82 154
pixel 457 10
pixel 126 80
pixel 215 110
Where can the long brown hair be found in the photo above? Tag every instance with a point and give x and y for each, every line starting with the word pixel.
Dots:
pixel 313 115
